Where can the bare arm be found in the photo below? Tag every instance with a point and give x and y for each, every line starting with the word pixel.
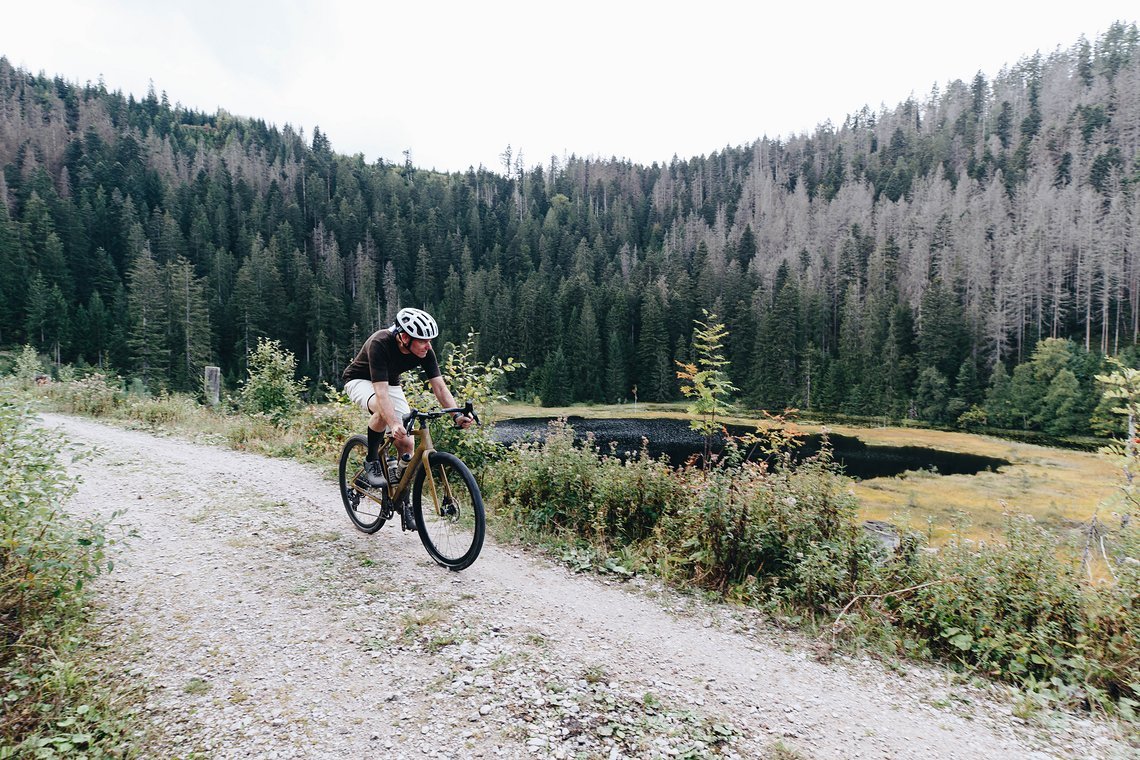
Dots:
pixel 446 400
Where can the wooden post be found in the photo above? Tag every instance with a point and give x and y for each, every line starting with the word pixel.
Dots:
pixel 213 385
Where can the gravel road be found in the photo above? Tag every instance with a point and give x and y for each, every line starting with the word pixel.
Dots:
pixel 259 624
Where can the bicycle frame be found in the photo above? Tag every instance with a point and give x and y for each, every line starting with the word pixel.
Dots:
pixel 447 514
pixel 424 447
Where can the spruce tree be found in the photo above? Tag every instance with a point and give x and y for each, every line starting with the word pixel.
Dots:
pixel 149 317
pixel 189 323
pixel 653 375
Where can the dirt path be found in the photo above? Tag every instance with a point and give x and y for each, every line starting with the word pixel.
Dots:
pixel 261 624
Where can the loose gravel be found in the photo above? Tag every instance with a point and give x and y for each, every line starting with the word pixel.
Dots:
pixel 257 623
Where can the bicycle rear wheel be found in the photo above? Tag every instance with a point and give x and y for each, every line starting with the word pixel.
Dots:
pixel 365 510
pixel 449 511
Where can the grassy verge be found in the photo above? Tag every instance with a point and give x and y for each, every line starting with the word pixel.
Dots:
pixel 55 700
pixel 1019 607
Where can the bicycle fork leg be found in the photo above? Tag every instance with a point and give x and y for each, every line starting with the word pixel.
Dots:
pixel 431 485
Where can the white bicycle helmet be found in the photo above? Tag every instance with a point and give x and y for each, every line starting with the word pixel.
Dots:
pixel 417 323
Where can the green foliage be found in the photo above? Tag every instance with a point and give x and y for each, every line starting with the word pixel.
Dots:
pixel 95 395
pixel 562 489
pixel 271 388
pixel 149 272
pixel 28 366
pixel 481 383
pixel 53 704
pixel 1006 608
pixel 325 427
pixel 974 418
pixel 747 531
pixel 706 381
pixel 1051 392
pixel 782 534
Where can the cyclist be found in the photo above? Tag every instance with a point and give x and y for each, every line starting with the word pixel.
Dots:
pixel 372 381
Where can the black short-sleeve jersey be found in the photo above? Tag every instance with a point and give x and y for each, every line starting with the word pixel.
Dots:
pixel 380 359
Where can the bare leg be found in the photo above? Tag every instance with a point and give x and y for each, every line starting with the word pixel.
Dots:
pixel 376 422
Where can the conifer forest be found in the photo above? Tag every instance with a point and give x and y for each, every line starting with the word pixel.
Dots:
pixel 967 258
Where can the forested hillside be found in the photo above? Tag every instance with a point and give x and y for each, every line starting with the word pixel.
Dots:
pixel 909 262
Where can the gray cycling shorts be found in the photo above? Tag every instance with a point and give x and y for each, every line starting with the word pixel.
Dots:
pixel 361 392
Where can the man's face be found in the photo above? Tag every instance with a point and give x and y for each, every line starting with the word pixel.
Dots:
pixel 418 347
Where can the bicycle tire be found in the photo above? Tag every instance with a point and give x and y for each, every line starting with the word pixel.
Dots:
pixel 364 511
pixel 452 529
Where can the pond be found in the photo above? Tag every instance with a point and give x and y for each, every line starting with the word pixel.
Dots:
pixel 676 441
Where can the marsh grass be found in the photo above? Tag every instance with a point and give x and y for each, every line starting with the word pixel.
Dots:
pixel 1060 488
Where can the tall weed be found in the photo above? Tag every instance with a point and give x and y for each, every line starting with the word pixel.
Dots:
pixel 95 395
pixel 743 530
pixel 323 428
pixel 1007 606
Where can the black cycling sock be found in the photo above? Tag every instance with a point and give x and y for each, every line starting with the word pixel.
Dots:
pixel 374 440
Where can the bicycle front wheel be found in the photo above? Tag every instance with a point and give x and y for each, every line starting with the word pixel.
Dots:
pixel 363 509
pixel 449 511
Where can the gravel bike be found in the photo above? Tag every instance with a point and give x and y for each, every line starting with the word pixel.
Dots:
pixel 446 506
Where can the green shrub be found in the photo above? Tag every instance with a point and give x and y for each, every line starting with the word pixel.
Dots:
pixel 785 534
pixel 53 703
pixel 95 395
pixel 1006 608
pixel 271 388
pixel 788 535
pixel 28 366
pixel 324 428
pixel 560 488
pixel 1106 657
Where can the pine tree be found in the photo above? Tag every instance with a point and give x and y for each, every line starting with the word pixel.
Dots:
pixel 147 339
pixel 36 311
pixel 942 339
pixel 774 378
pixel 57 325
pixel 14 282
pixel 588 356
pixel 189 323
pixel 257 298
pixel 705 381
pixel 1062 409
pixel 931 395
pixel 652 375
pixel 617 378
pixel 556 385
pixel 97 333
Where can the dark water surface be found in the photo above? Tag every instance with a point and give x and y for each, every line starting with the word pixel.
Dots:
pixel 675 440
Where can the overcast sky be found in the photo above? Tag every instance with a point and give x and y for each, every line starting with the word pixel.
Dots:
pixel 455 82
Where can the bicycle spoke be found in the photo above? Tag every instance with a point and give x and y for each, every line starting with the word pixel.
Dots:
pixel 449 511
pixel 363 506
